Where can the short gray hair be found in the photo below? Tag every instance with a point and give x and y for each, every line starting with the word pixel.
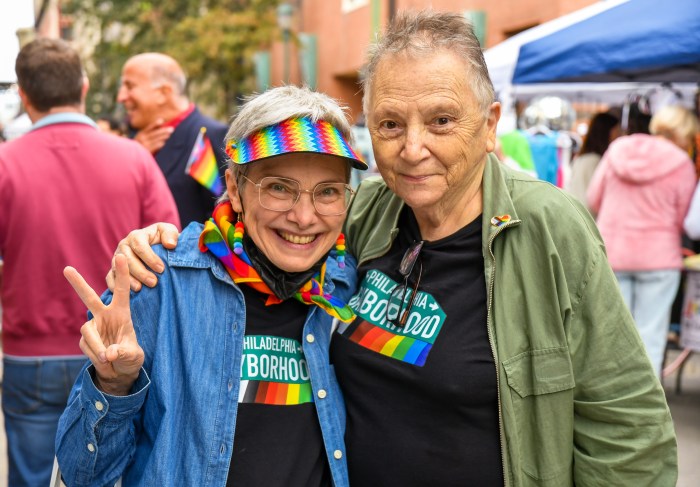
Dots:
pixel 279 104
pixel 424 32
pixel 175 78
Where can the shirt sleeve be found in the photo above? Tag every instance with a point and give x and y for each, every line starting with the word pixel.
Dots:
pixel 691 224
pixel 95 440
pixel 623 432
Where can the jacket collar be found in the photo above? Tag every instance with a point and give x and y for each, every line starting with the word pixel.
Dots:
pixel 498 208
pixel 65 117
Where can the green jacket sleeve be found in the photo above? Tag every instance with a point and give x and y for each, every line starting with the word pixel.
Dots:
pixel 623 432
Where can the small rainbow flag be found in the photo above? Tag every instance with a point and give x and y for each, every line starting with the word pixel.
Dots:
pixel 202 165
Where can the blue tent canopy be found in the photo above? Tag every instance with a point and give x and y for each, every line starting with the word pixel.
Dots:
pixel 640 40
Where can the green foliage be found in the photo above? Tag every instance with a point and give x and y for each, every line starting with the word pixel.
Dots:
pixel 213 40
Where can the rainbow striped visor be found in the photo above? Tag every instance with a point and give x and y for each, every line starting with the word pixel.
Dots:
pixel 293 135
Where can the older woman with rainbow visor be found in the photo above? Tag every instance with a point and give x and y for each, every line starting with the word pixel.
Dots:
pixel 220 375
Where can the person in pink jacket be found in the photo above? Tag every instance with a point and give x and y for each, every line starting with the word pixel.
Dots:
pixel 641 192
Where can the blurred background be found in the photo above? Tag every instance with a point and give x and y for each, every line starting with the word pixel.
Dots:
pixel 554 64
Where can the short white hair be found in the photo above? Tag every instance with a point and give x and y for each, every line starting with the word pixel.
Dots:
pixel 282 103
pixel 424 32
pixel 279 104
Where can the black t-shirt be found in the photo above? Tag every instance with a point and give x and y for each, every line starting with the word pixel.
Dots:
pixel 278 438
pixel 422 401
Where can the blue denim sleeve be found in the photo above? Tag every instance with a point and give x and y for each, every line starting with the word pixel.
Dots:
pixel 345 280
pixel 95 440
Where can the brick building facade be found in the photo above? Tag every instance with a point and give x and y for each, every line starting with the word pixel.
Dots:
pixel 330 37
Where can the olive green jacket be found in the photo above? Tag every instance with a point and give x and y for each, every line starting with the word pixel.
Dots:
pixel 579 403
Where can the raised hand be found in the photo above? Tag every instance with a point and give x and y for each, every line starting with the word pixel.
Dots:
pixel 109 339
pixel 154 136
pixel 137 249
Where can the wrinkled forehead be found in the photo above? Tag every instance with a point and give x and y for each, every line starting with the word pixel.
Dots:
pixel 419 79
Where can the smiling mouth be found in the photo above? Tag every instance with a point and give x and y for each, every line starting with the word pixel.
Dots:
pixel 297 239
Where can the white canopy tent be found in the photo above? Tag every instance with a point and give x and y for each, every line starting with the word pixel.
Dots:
pixel 502 58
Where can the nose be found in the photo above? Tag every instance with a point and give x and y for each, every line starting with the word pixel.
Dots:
pixel 121 94
pixel 414 149
pixel 303 213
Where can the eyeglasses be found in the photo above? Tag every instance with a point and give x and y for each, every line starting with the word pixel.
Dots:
pixel 281 194
pixel 395 311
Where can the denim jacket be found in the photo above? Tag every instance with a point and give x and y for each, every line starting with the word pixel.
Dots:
pixel 177 425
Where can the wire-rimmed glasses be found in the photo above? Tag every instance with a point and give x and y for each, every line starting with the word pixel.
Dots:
pixel 281 194
pixel 397 311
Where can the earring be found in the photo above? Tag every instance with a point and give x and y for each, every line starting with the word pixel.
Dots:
pixel 238 236
pixel 340 248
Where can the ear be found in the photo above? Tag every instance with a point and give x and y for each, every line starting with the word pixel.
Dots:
pixel 165 92
pixel 491 124
pixel 232 191
pixel 86 87
pixel 23 96
pixel 32 112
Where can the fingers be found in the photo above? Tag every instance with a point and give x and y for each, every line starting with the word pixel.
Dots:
pixel 121 281
pixel 87 295
pixel 140 256
pixel 153 137
pixel 140 241
pixel 92 345
pixel 135 284
pixel 109 278
pixel 168 234
pixel 137 270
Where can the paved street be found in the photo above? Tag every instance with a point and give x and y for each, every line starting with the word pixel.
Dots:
pixel 685 408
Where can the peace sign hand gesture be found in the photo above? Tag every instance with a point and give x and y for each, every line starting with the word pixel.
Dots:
pixel 109 339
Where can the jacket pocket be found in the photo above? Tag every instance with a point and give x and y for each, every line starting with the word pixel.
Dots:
pixel 541 384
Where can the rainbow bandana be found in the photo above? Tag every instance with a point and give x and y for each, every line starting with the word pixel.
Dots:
pixel 293 135
pixel 242 271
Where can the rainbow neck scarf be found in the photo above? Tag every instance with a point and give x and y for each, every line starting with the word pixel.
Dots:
pixel 217 237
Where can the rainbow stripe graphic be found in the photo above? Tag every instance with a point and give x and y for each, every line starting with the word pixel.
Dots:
pixel 202 165
pixel 383 341
pixel 277 393
pixel 293 135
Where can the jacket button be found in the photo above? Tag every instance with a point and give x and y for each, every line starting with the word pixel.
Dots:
pixel 91 447
pixel 321 393
pixel 310 338
pixel 337 454
pixel 99 406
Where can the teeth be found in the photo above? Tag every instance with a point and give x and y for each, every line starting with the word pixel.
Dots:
pixel 298 239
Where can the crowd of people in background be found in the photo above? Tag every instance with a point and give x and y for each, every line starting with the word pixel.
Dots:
pixel 400 318
pixel 637 177
pixel 68 192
